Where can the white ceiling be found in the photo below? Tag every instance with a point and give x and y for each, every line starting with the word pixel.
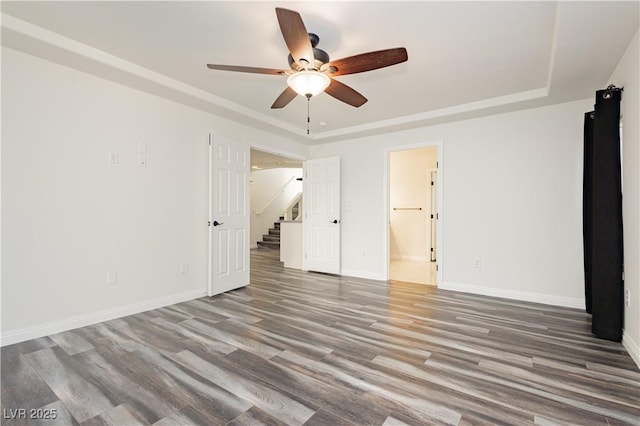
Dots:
pixel 465 58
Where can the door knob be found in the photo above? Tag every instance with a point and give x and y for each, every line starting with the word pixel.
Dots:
pixel 335 221
pixel 216 223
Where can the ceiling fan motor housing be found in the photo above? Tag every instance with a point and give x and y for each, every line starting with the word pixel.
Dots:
pixel 320 56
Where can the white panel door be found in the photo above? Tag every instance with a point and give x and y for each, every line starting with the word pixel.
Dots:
pixel 229 214
pixel 321 189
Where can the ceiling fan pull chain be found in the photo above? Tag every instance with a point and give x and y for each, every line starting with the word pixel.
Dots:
pixel 308 117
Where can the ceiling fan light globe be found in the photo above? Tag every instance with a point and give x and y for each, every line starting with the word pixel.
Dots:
pixel 308 83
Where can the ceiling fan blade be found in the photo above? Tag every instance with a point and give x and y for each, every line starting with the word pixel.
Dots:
pixel 346 94
pixel 295 36
pixel 367 61
pixel 285 97
pixel 253 70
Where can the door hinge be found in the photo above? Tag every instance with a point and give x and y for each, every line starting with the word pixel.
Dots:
pixel 431 183
pixel 209 223
pixel 437 266
pixel 431 216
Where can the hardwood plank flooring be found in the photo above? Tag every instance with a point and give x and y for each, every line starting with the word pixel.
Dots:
pixel 298 348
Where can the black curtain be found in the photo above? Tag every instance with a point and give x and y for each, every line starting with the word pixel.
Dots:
pixel 602 216
pixel 586 205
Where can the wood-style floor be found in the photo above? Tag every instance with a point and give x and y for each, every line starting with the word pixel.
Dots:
pixel 413 271
pixel 304 348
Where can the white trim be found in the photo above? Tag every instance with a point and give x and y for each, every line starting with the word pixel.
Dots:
pixel 385 205
pixel 28 333
pixel 98 62
pixel 210 210
pixel 276 151
pixel 363 274
pixel 525 296
pixel 88 57
pixel 632 347
pixel 422 117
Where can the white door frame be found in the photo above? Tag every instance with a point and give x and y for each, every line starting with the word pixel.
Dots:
pixel 434 247
pixel 275 151
pixel 385 206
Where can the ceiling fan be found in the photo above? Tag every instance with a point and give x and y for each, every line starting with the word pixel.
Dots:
pixel 312 71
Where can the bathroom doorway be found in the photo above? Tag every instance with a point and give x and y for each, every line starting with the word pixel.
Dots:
pixel 413 215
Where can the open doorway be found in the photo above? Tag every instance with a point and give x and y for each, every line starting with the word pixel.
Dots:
pixel 413 215
pixel 275 196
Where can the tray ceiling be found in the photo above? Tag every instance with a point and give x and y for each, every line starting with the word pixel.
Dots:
pixel 465 58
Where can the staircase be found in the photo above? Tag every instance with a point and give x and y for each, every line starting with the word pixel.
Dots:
pixel 272 240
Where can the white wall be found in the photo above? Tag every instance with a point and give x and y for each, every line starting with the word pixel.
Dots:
pixel 69 217
pixel 512 196
pixel 409 187
pixel 627 75
pixel 270 196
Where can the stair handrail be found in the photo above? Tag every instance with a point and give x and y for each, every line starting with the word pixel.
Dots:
pixel 275 196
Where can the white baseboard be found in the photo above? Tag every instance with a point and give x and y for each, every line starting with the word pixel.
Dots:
pixel 525 296
pixel 28 333
pixel 363 274
pixel 632 347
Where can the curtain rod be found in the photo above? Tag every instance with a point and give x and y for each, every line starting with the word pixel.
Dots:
pixel 610 88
